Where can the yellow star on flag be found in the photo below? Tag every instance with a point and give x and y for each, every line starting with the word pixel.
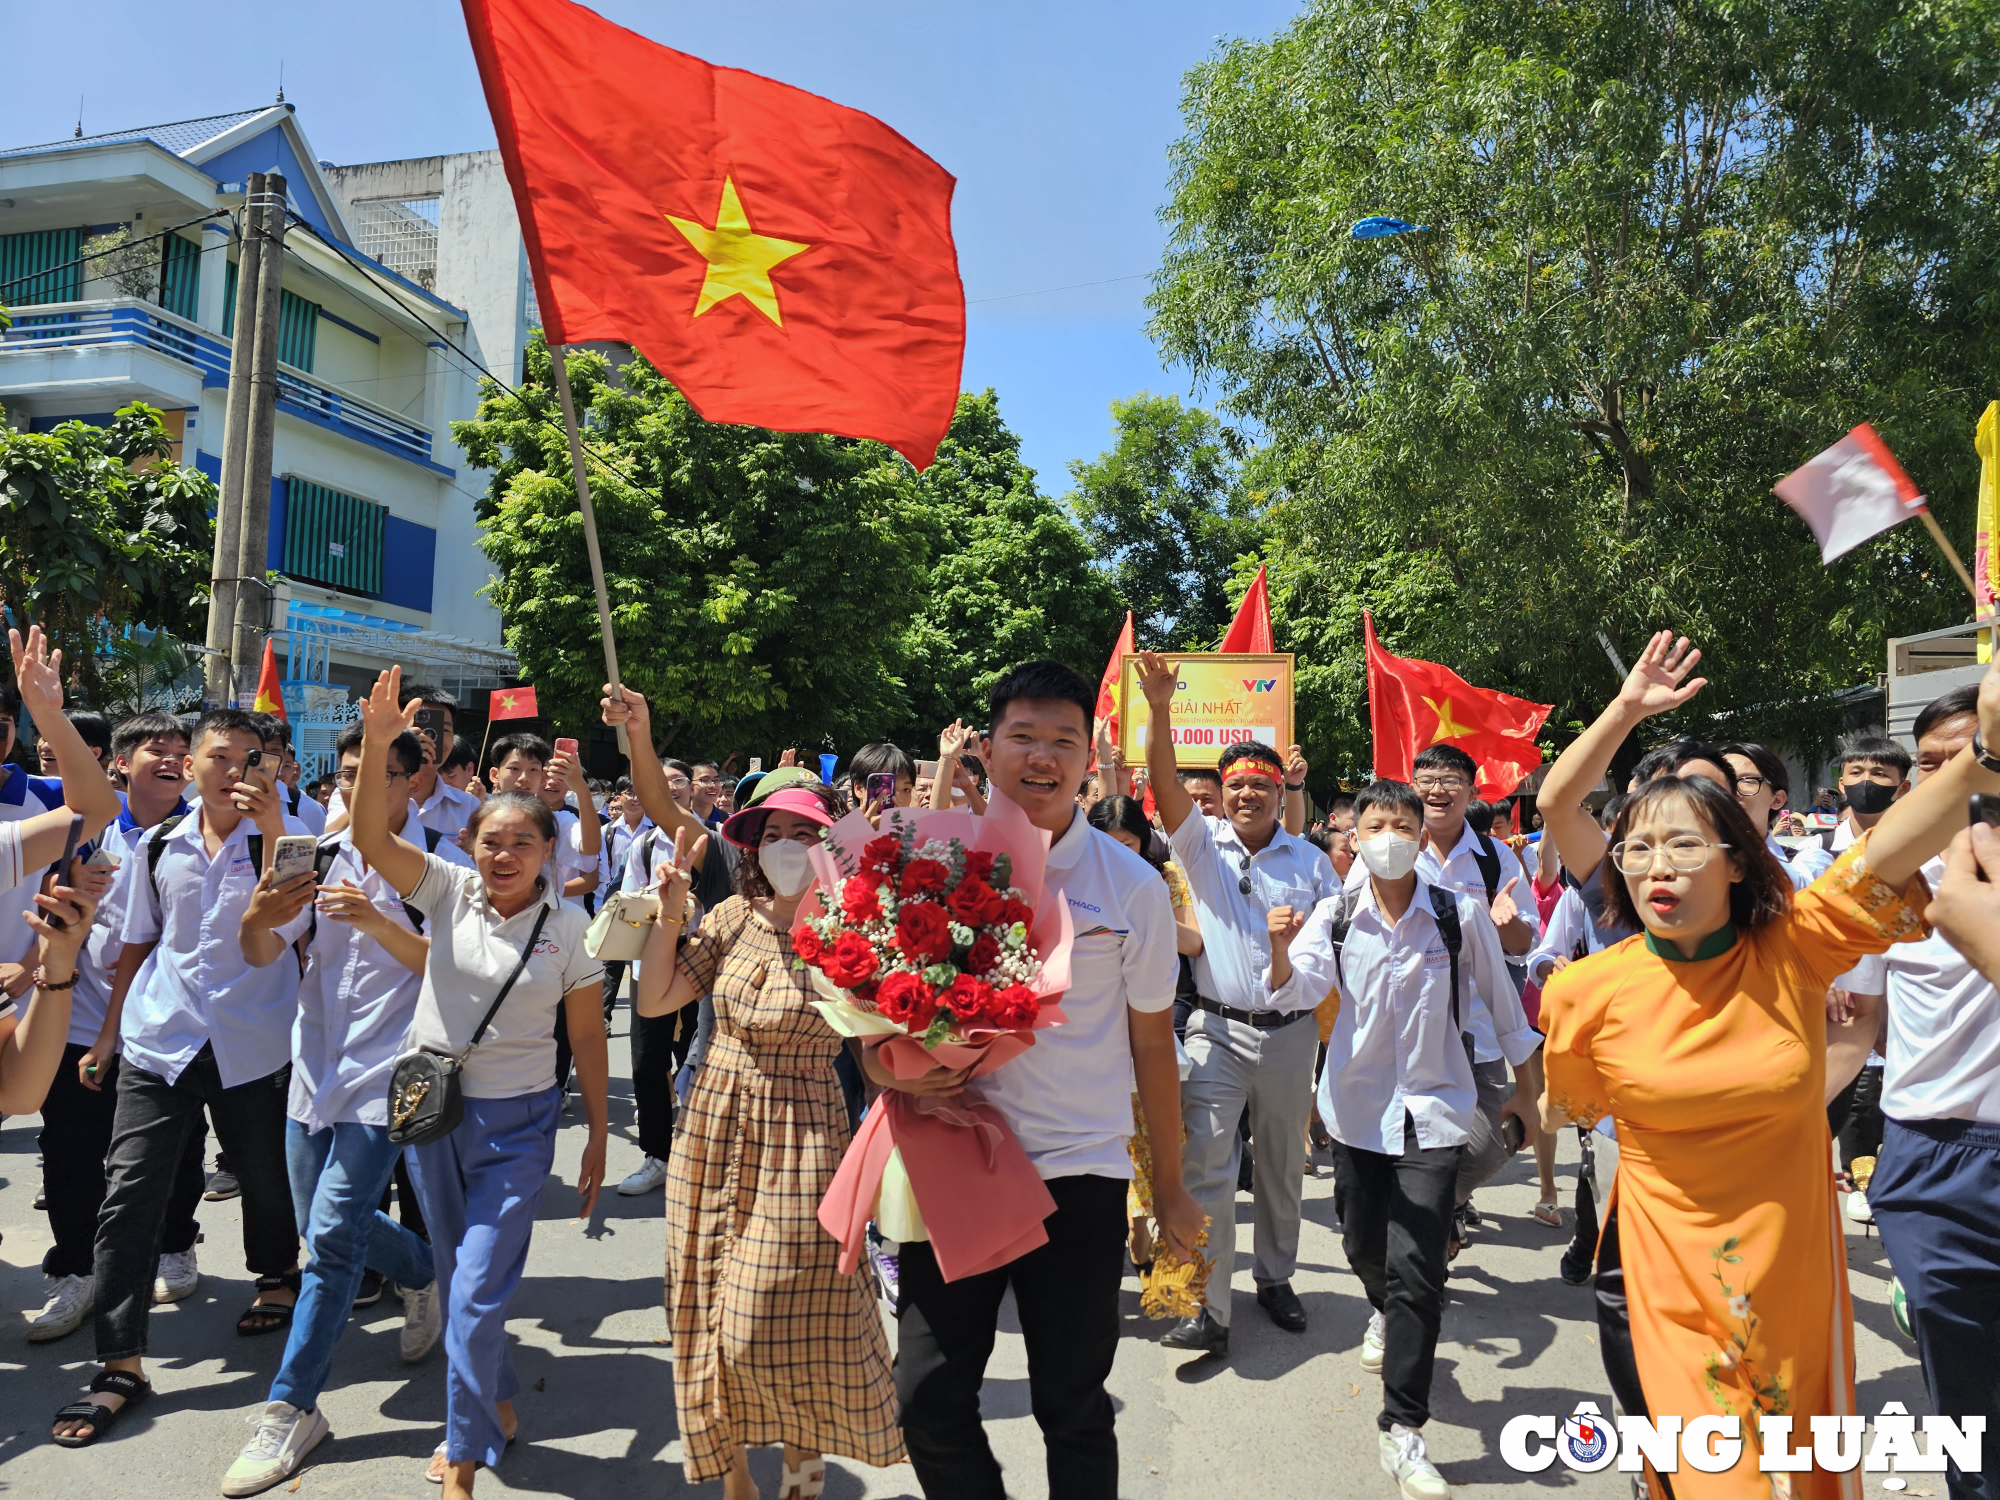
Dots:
pixel 508 700
pixel 739 259
pixel 1446 730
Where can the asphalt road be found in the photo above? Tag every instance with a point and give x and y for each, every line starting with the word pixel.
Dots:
pixel 1285 1415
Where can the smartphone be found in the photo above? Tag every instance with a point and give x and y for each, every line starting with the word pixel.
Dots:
pixel 1512 1133
pixel 253 768
pixel 756 765
pixel 293 857
pixel 882 788
pixel 1984 809
pixel 102 858
pixel 60 870
pixel 927 768
pixel 566 747
pixel 431 722
pixel 973 764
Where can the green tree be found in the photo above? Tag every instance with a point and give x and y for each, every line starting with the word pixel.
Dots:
pixel 1166 512
pixel 760 582
pixel 100 531
pixel 1673 250
pixel 1013 577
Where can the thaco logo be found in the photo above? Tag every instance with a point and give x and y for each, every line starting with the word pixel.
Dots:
pixel 1588 1441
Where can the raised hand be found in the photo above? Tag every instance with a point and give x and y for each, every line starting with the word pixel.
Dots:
pixel 1158 678
pixel 1295 767
pixel 673 873
pixel 628 709
pixel 789 758
pixel 1283 924
pixel 37 672
pixel 1658 681
pixel 952 739
pixel 381 719
pixel 1504 908
pixel 1107 743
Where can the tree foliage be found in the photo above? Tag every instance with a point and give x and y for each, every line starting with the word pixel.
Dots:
pixel 99 531
pixel 1167 515
pixel 771 589
pixel 1674 250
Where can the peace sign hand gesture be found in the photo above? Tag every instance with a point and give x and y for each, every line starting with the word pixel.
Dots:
pixel 673 874
pixel 1657 683
pixel 952 739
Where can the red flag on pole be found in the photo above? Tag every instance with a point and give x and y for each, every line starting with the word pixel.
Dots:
pixel 1107 685
pixel 1414 704
pixel 270 697
pixel 1250 631
pixel 512 703
pixel 784 260
pixel 1850 492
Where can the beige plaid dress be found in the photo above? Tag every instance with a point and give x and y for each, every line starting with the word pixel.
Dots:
pixel 771 1343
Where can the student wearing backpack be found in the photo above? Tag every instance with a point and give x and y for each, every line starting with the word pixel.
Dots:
pixel 365 953
pixel 1397 1093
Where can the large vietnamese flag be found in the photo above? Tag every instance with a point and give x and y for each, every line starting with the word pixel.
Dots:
pixel 1250 631
pixel 784 260
pixel 1415 704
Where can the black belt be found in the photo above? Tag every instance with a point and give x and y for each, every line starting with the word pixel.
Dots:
pixel 1262 1020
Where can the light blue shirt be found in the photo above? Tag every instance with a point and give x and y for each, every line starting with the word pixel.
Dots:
pixel 198 989
pixel 1235 956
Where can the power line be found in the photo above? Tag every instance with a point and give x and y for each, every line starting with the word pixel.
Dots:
pixel 219 213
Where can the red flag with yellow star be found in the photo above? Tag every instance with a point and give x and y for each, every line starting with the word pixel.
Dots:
pixel 512 703
pixel 1414 704
pixel 784 260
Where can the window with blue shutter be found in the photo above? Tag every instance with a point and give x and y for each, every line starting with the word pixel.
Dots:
pixel 332 538
pixel 180 276
pixel 40 267
pixel 298 323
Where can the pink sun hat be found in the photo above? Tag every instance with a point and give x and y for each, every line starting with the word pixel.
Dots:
pixel 796 791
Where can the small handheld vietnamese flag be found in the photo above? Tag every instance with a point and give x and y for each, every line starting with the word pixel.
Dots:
pixel 1852 491
pixel 270 697
pixel 1107 685
pixel 512 703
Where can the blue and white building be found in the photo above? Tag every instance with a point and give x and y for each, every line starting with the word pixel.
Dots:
pixel 387 268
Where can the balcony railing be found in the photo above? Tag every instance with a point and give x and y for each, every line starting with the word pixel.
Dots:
pixel 124 320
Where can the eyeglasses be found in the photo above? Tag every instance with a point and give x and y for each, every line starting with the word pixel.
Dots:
pixel 1685 854
pixel 1750 786
pixel 1442 784
pixel 344 778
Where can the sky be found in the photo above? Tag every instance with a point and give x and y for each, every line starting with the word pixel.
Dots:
pixel 1055 117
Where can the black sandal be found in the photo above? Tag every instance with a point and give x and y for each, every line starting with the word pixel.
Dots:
pixel 270 1317
pixel 101 1417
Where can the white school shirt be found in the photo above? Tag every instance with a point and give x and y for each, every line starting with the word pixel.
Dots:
pixel 1068 1098
pixel 1803 865
pixel 1944 1032
pixel 620 839
pixel 447 811
pixel 1236 940
pixel 1393 1046
pixel 473 950
pixel 199 990
pixel 1569 924
pixel 305 809
pixel 356 1002
pixel 1460 872
pixel 22 797
pixel 97 964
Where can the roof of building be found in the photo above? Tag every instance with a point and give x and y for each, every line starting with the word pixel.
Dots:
pixel 181 137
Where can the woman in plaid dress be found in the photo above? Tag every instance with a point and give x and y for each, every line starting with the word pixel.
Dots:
pixel 772 1344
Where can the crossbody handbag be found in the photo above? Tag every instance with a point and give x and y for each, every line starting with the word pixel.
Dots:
pixel 426 1099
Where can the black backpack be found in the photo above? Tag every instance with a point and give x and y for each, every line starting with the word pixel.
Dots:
pixel 1443 907
pixel 323 857
pixel 156 843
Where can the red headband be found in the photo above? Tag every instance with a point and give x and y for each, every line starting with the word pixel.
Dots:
pixel 1247 771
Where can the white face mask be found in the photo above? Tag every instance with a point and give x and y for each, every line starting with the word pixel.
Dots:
pixel 1388 855
pixel 786 865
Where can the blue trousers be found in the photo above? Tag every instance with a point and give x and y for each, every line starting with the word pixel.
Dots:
pixel 480 1187
pixel 337 1180
pixel 1936 1198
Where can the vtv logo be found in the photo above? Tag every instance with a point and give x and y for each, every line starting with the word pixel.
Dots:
pixel 1260 684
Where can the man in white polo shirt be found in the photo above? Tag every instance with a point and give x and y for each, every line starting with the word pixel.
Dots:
pixel 1253 885
pixel 1068 1101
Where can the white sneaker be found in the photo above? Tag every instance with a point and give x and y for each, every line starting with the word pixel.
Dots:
pixel 650 1178
pixel 285 1435
pixel 1373 1344
pixel 179 1276
pixel 1404 1460
pixel 423 1321
pixel 70 1299
pixel 1858 1209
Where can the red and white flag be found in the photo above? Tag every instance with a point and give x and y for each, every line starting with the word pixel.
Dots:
pixel 1852 491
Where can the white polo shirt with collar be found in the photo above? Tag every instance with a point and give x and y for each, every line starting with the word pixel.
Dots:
pixel 1236 940
pixel 1460 872
pixel 1943 1054
pixel 448 810
pixel 1393 1047
pixel 1068 1098
pixel 97 964
pixel 199 990
pixel 22 797
pixel 355 1001
pixel 306 809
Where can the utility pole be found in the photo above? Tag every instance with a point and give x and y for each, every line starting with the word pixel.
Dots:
pixel 217 689
pixel 253 595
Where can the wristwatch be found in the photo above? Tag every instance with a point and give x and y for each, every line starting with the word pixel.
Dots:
pixel 1988 761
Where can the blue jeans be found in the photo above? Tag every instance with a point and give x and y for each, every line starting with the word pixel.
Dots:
pixel 480 1187
pixel 337 1180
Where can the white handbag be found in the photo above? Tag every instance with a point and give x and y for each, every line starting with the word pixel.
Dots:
pixel 619 931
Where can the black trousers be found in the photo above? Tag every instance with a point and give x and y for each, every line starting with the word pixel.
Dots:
pixel 1614 1335
pixel 1395 1221
pixel 614 977
pixel 1855 1117
pixel 150 1132
pixel 1066 1294
pixel 657 1051
pixel 76 1135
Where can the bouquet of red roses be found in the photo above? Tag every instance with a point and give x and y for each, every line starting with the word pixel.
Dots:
pixel 931 940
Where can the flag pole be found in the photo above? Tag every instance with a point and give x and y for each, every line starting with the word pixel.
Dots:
pixel 479 770
pixel 1951 556
pixel 560 354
